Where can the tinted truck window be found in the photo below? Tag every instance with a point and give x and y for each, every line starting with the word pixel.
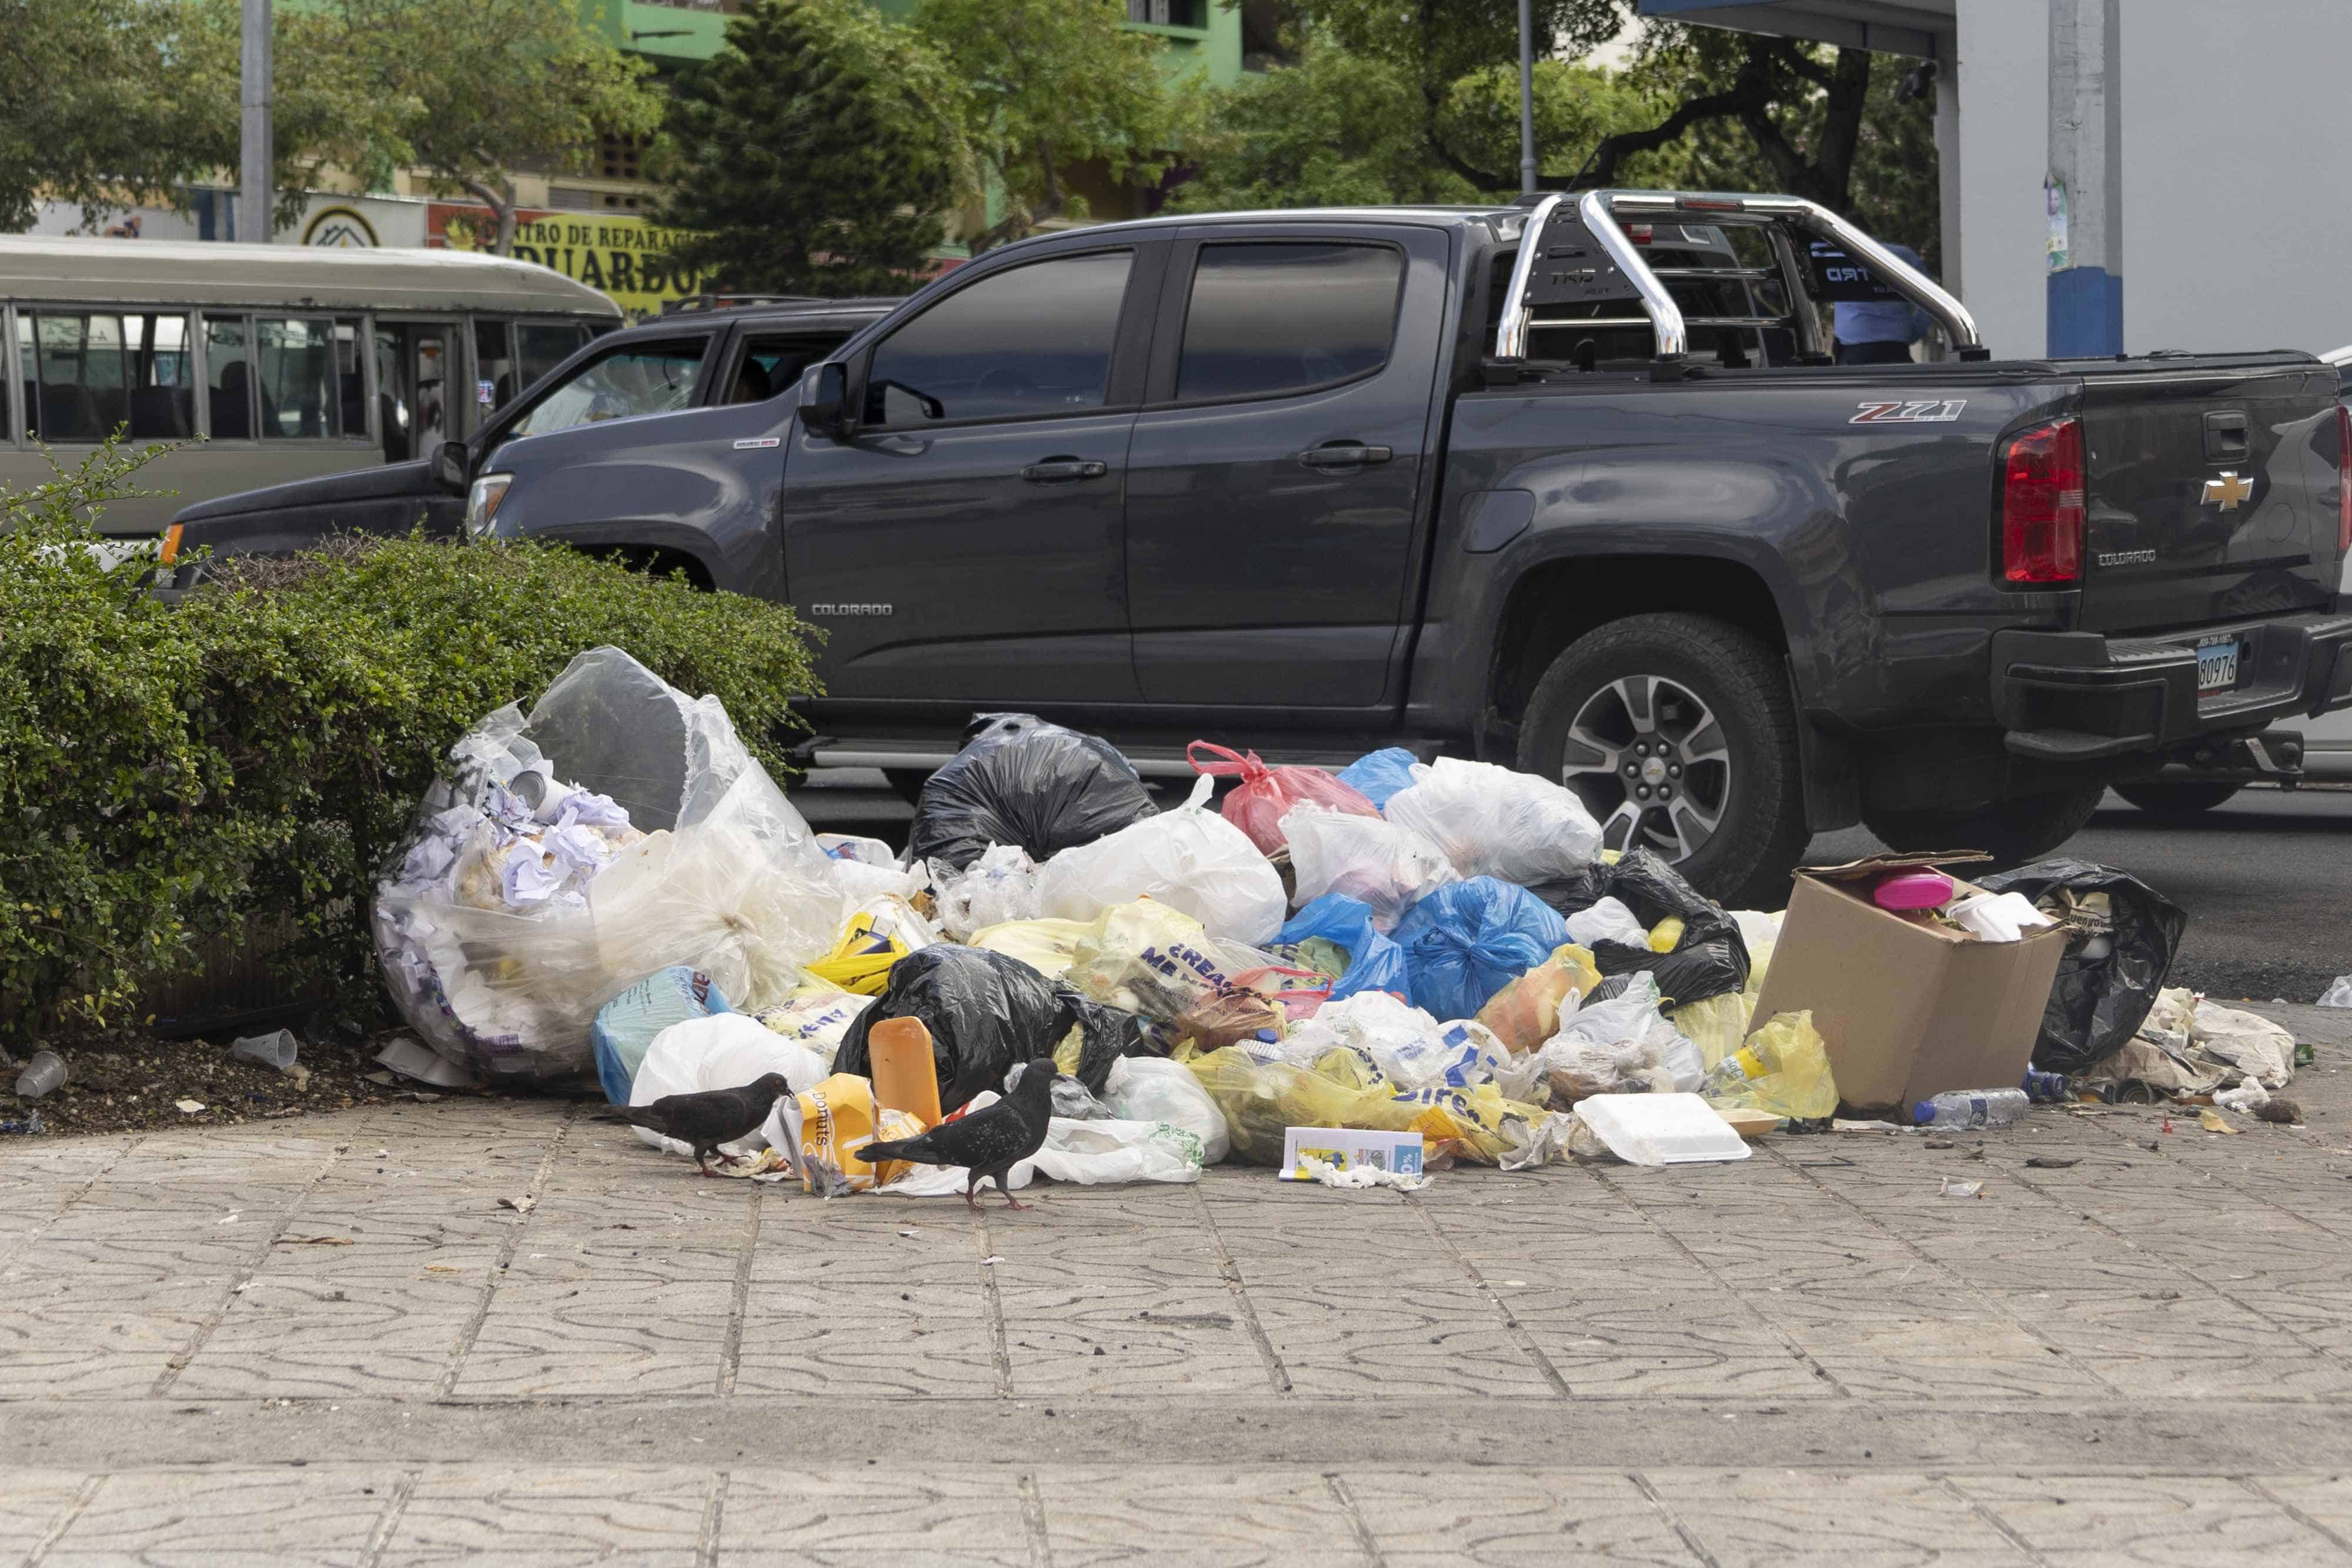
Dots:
pixel 1268 319
pixel 1033 340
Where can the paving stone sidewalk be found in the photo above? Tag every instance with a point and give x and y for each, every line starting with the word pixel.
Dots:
pixel 325 1342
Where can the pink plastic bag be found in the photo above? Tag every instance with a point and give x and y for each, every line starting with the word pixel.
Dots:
pixel 1257 804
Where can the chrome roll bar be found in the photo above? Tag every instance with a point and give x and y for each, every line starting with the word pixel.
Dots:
pixel 1598 211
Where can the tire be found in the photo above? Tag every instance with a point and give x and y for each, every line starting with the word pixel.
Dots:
pixel 908 782
pixel 2012 831
pixel 2177 799
pixel 1731 770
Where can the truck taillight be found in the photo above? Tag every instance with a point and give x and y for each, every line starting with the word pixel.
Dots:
pixel 2343 479
pixel 2041 503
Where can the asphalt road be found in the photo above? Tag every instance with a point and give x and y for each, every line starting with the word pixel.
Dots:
pixel 2266 878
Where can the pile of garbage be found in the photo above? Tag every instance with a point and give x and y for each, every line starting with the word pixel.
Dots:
pixel 1386 969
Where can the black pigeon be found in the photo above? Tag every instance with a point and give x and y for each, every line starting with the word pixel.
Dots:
pixel 989 1142
pixel 708 1119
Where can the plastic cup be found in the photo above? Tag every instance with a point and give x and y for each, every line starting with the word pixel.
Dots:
pixel 41 1075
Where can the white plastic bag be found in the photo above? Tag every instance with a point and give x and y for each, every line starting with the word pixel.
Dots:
pixel 1190 859
pixel 819 1019
pixel 2338 994
pixel 1406 1045
pixel 1492 821
pixel 1153 1089
pixel 998 887
pixel 1089 1153
pixel 1379 863
pixel 725 1051
pixel 1607 921
pixel 712 868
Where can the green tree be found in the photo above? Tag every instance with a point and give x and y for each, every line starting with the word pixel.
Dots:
pixel 479 87
pixel 1053 83
pixel 815 154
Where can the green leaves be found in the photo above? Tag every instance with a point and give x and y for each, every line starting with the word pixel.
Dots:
pixel 172 774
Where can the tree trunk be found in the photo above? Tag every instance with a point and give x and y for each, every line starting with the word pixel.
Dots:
pixel 1050 204
pixel 501 200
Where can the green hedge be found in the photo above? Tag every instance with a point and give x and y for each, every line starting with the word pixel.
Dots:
pixel 169 773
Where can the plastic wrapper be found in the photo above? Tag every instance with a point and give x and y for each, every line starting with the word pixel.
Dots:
pixel 825 1124
pixel 1492 821
pixel 624 1026
pixel 874 940
pixel 725 1051
pixel 1406 1045
pixel 1621 1046
pixel 997 889
pixel 1048 947
pixel 1607 921
pixel 1089 1152
pixel 1262 1097
pixel 985 1012
pixel 1189 858
pixel 818 1019
pixel 1266 795
pixel 501 971
pixel 1527 1012
pixel 1022 782
pixel 1708 960
pixel 1149 958
pixel 1153 1089
pixel 1382 865
pixel 1375 963
pixel 1377 776
pixel 2119 948
pixel 1469 939
pixel 1800 1084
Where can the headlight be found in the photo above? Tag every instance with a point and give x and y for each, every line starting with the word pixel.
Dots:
pixel 482 503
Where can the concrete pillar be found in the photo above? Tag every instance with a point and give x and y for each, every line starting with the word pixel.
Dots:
pixel 253 199
pixel 1948 157
pixel 2086 183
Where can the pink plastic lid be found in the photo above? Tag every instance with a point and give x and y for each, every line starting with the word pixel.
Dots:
pixel 1913 890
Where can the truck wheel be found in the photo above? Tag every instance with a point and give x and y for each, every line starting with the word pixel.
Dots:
pixel 2178 798
pixel 1678 734
pixel 2013 831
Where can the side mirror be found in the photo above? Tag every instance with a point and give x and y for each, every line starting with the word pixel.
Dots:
pixel 827 414
pixel 449 466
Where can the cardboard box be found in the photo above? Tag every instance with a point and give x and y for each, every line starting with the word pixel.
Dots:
pixel 1906 1010
pixel 1348 1147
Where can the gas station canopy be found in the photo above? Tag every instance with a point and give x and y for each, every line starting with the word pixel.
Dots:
pixel 1920 28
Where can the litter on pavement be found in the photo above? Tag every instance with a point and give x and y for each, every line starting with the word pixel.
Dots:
pixel 1352 978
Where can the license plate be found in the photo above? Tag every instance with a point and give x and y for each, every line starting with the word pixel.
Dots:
pixel 2217 663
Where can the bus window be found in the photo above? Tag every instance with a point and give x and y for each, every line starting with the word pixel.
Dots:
pixel 295 375
pixel 229 393
pixel 88 374
pixel 494 369
pixel 350 376
pixel 541 346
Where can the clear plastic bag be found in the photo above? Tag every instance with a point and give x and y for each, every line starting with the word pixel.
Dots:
pixel 1189 858
pixel 1148 959
pixel 1153 1089
pixel 711 868
pixel 1492 821
pixel 1265 796
pixel 1048 947
pixel 1621 1046
pixel 999 887
pixel 1262 1097
pixel 1385 865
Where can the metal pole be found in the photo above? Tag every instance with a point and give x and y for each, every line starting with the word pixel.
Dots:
pixel 1526 98
pixel 2084 189
pixel 253 217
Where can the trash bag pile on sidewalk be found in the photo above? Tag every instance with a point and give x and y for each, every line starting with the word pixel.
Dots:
pixel 1355 977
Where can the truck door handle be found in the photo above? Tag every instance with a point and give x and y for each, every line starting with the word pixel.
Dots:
pixel 2225 435
pixel 1062 470
pixel 1344 454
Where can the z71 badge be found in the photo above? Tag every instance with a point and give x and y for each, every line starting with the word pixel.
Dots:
pixel 1918 410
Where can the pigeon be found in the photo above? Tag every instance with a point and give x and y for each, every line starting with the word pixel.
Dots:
pixel 989 1142
pixel 708 1119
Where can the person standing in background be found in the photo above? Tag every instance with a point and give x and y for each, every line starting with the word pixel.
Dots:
pixel 1880 331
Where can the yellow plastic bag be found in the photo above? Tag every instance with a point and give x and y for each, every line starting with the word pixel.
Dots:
pixel 837 1118
pixel 1666 934
pixel 1717 1025
pixel 1800 1086
pixel 860 962
pixel 1046 945
pixel 1526 1013
pixel 1262 1099
pixel 1148 957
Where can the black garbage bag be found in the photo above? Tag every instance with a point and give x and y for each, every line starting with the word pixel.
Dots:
pixel 1711 960
pixel 2114 964
pixel 1019 780
pixel 986 1011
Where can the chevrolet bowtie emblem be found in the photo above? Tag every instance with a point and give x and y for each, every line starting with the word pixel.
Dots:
pixel 2228 490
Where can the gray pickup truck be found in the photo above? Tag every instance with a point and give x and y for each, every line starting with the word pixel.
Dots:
pixel 1572 485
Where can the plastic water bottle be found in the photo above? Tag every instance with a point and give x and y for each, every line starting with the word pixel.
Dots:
pixel 1757 1059
pixel 2046 1088
pixel 1964 1109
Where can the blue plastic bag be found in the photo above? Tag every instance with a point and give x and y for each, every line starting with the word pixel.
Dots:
pixel 626 1025
pixel 1377 775
pixel 1374 962
pixel 1469 939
